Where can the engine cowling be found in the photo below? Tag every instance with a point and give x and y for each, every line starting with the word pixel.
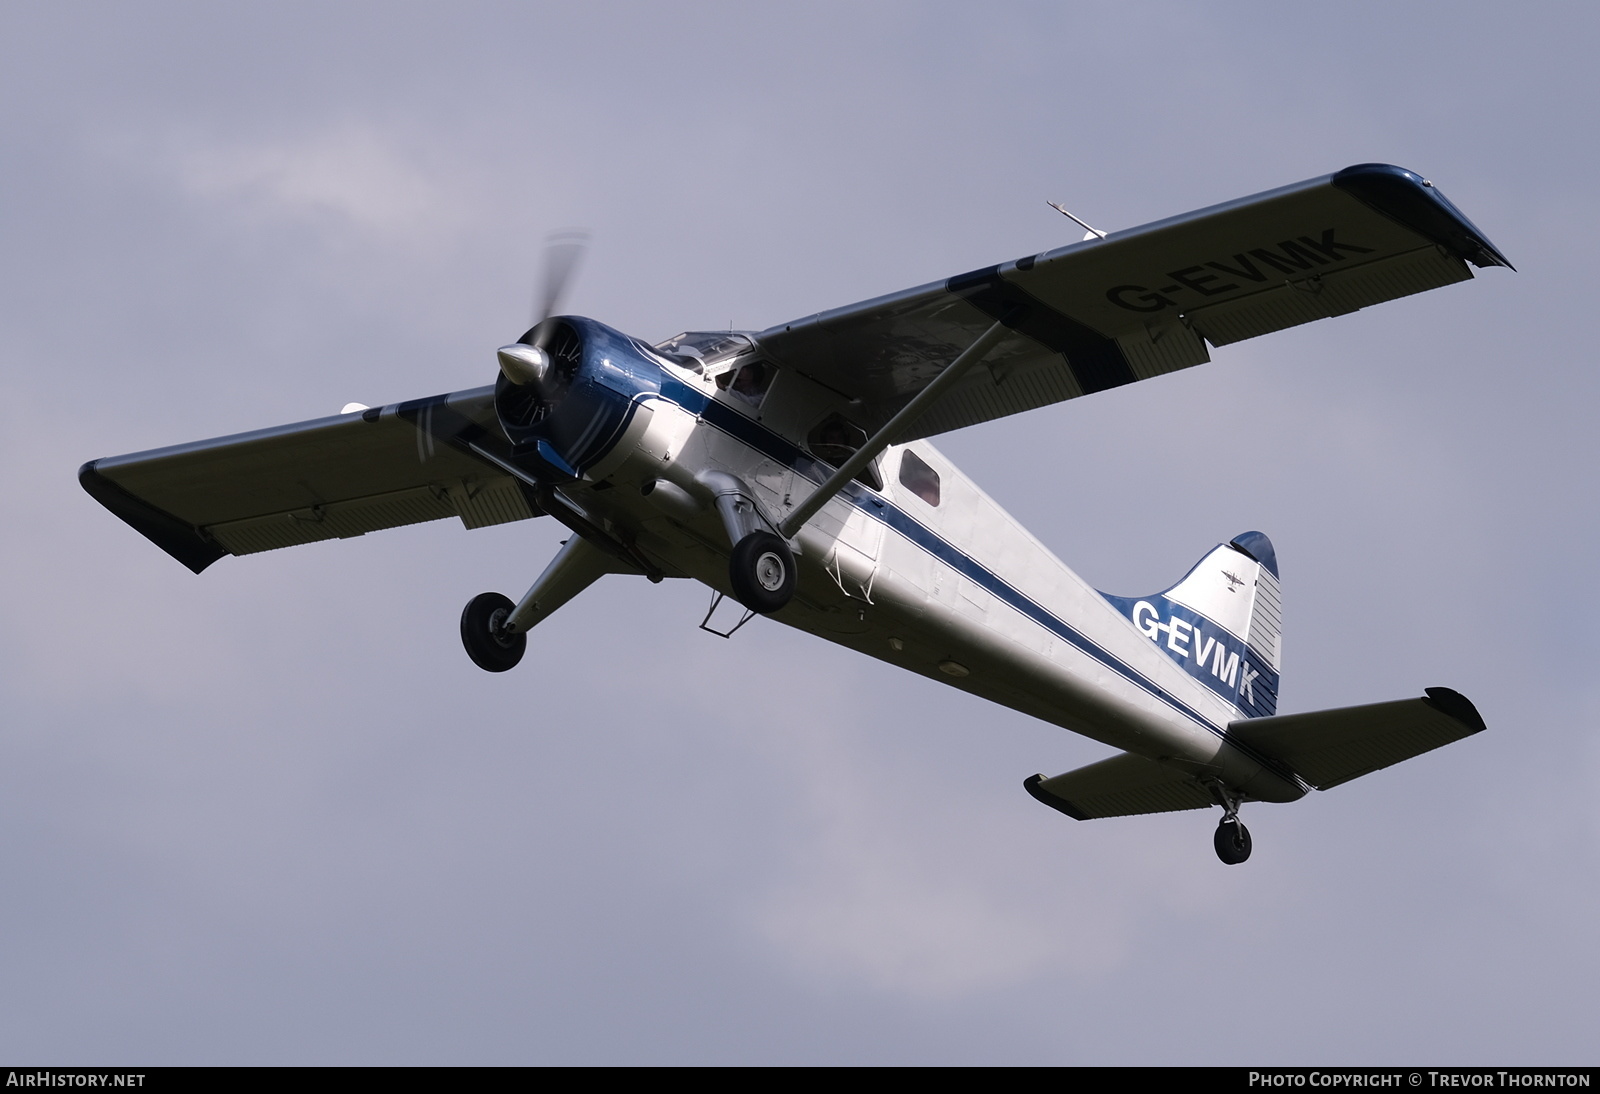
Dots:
pixel 583 387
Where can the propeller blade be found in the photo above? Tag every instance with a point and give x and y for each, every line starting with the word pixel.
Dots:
pixel 562 251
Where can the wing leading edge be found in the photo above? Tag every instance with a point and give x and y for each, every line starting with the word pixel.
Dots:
pixel 1142 302
pixel 331 478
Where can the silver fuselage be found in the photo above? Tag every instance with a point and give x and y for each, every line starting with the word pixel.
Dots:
pixel 959 592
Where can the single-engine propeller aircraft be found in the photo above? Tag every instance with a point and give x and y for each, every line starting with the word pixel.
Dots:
pixel 789 470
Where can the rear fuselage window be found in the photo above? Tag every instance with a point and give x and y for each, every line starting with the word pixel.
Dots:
pixel 917 477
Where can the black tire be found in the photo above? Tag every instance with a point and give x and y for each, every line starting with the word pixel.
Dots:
pixel 762 572
pixel 481 621
pixel 1232 842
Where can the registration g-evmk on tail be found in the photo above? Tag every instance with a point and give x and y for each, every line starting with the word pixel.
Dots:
pixel 789 470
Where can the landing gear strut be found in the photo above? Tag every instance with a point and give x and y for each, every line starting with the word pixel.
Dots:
pixel 761 567
pixel 495 631
pixel 483 631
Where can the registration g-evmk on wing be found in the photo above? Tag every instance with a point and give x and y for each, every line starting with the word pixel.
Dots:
pixel 790 471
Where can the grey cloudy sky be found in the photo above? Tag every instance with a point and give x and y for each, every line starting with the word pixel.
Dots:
pixel 273 815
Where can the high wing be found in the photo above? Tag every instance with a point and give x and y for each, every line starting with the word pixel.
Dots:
pixel 325 479
pixel 1076 320
pixel 1142 302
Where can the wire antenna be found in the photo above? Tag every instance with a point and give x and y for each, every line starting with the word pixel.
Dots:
pixel 1094 233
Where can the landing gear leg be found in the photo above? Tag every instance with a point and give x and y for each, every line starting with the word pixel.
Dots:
pixel 761 567
pixel 495 631
pixel 1232 840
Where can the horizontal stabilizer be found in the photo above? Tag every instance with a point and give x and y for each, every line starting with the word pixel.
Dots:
pixel 1329 747
pixel 1123 786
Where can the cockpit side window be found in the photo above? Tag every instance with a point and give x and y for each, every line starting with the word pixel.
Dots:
pixel 835 439
pixel 917 477
pixel 700 350
pixel 748 383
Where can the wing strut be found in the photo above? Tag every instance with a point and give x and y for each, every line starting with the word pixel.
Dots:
pixel 885 436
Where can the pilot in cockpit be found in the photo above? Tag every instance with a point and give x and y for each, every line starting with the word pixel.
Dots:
pixel 748 382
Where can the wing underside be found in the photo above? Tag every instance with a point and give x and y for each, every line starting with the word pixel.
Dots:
pixel 1143 302
pixel 1080 319
pixel 331 478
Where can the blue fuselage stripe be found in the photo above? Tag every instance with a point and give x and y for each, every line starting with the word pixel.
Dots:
pixel 774 447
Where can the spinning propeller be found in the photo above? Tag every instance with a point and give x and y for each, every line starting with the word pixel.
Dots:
pixel 525 363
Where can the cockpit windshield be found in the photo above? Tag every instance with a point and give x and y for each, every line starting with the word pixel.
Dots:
pixel 703 349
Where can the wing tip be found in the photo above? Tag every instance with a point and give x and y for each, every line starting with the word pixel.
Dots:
pixel 1032 785
pixel 1453 704
pixel 181 540
pixel 1415 202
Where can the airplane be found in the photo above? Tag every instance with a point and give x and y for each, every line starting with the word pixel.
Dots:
pixel 790 470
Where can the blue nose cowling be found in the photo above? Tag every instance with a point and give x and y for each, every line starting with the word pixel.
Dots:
pixel 577 413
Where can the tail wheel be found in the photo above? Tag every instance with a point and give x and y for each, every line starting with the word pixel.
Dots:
pixel 1232 842
pixel 762 572
pixel 483 633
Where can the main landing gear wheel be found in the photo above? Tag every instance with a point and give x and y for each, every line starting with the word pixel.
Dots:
pixel 483 633
pixel 1232 841
pixel 761 570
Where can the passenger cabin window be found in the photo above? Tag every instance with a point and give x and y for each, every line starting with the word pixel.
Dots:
pixel 917 477
pixel 835 440
pixel 747 383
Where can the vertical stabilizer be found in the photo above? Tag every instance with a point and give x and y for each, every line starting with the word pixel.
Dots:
pixel 1223 622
